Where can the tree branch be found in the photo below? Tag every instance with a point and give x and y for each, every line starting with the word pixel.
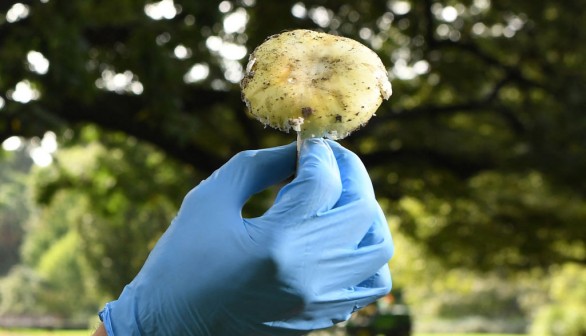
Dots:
pixel 484 103
pixel 458 165
pixel 122 116
pixel 119 113
pixel 429 26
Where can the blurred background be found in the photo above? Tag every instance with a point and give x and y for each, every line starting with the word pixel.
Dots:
pixel 111 110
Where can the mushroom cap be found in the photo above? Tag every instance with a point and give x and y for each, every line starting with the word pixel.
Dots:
pixel 318 84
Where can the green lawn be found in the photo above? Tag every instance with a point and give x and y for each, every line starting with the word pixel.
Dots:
pixel 36 332
pixel 468 334
pixel 27 332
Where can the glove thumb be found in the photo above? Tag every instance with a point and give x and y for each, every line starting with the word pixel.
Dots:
pixel 248 173
pixel 316 188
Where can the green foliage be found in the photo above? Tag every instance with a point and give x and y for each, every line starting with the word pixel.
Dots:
pixel 15 206
pixel 71 288
pixel 55 278
pixel 102 206
pixel 19 292
pixel 456 299
pixel 492 207
pixel 117 196
pixel 48 226
pixel 565 314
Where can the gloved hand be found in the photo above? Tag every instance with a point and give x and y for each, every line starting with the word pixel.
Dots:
pixel 318 254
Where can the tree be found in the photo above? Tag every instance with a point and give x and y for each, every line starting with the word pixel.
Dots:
pixel 115 197
pixel 564 315
pixel 487 110
pixel 15 206
pixel 94 223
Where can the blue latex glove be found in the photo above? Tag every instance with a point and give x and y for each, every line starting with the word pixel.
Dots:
pixel 318 254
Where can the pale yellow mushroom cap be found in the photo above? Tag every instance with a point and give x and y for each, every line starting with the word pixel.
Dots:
pixel 315 83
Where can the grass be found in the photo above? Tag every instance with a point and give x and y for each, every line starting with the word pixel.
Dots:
pixel 468 334
pixel 36 332
pixel 41 332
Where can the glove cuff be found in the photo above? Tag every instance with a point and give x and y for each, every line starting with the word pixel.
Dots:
pixel 119 320
pixel 104 315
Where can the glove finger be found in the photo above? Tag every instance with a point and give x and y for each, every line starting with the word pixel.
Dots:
pixel 380 279
pixel 363 296
pixel 355 179
pixel 352 225
pixel 375 249
pixel 358 192
pixel 368 291
pixel 315 189
pixel 346 266
pixel 378 232
pixel 337 306
pixel 348 225
pixel 352 267
pixel 250 172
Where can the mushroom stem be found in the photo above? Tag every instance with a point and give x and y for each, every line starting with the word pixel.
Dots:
pixel 299 143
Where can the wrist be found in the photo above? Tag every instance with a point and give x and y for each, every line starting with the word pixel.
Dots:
pixel 101 331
